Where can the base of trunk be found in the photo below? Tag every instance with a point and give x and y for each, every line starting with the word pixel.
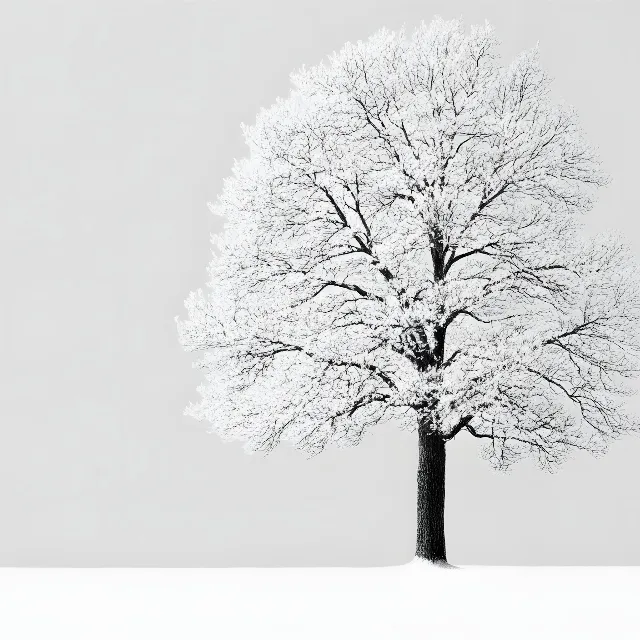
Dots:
pixel 440 564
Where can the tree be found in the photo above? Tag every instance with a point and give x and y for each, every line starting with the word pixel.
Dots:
pixel 404 243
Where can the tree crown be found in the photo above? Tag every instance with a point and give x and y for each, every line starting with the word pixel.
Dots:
pixel 403 243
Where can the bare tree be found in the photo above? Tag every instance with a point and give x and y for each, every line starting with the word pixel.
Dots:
pixel 404 244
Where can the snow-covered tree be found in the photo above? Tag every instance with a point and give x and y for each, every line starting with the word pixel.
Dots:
pixel 403 244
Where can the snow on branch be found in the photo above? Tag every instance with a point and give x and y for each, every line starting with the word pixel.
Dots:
pixel 403 243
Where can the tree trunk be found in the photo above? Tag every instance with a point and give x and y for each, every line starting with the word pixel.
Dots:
pixel 430 543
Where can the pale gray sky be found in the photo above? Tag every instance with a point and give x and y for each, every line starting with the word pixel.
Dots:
pixel 119 121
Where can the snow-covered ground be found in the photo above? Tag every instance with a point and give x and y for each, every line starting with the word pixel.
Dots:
pixel 410 601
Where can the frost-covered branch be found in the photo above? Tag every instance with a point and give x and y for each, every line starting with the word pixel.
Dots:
pixel 404 243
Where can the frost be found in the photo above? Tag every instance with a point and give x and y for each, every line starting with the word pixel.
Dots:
pixel 403 243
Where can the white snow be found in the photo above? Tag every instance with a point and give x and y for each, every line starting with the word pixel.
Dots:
pixel 415 600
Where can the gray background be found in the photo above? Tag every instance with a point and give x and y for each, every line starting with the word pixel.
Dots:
pixel 118 122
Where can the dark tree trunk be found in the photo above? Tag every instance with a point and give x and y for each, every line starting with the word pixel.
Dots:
pixel 430 543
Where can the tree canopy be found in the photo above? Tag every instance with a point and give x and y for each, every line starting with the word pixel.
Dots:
pixel 404 243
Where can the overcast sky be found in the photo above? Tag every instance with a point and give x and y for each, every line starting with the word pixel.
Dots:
pixel 120 120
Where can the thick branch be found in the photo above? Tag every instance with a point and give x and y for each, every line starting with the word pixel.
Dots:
pixel 349 287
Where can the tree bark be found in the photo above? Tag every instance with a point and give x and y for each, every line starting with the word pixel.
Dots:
pixel 430 543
